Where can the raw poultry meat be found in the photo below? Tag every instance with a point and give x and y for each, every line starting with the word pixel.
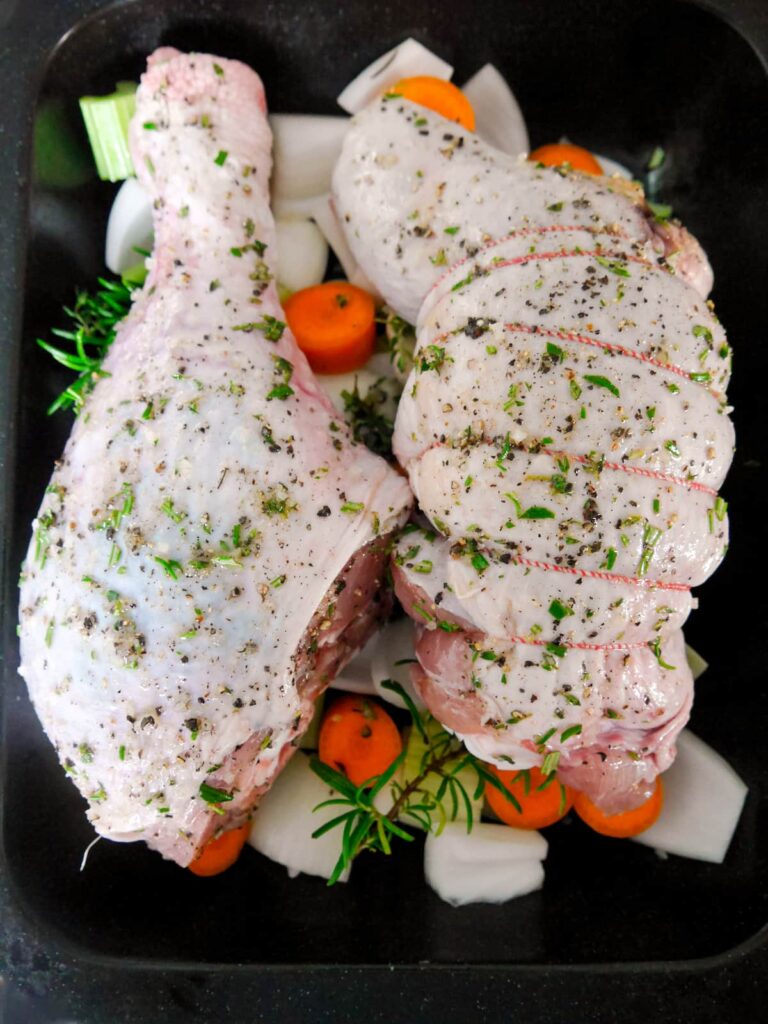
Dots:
pixel 564 430
pixel 415 193
pixel 212 545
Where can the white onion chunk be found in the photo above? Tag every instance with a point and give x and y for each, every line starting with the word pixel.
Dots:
pixel 498 118
pixel 703 798
pixel 404 61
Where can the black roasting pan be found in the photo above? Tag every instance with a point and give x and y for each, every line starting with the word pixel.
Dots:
pixel 617 934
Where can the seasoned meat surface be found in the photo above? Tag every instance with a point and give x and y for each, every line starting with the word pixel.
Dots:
pixel 565 430
pixel 415 193
pixel 211 547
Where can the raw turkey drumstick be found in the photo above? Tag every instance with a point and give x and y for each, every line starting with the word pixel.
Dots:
pixel 211 547
pixel 564 429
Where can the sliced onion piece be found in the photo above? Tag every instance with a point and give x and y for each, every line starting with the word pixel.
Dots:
pixel 491 864
pixel 391 658
pixel 703 798
pixel 407 59
pixel 129 227
pixel 325 217
pixel 284 821
pixel 498 118
pixel 355 677
pixel 294 209
pixel 305 148
pixel 302 254
pixel 613 167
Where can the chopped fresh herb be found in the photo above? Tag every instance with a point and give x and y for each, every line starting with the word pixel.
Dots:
pixel 657 158
pixel 437 357
pixel 672 448
pixel 574 388
pixel 448 627
pixel 352 507
pixel 655 646
pixel 463 282
pixel 537 512
pixel 559 611
pixel 211 795
pixel 572 730
pixel 614 266
pixel 270 327
pixel 554 351
pixel 479 562
pixel 602 382
pixel 700 331
pixel 280 391
pixel 221 157
pixel 171 566
pixel 610 559
pixel 451 230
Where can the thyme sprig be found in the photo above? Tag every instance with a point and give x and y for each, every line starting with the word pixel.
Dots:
pixel 365 415
pixel 366 827
pixel 94 318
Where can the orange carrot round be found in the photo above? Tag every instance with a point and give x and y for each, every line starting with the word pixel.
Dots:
pixel 334 325
pixel 541 800
pixel 626 823
pixel 443 97
pixel 221 853
pixel 558 153
pixel 358 738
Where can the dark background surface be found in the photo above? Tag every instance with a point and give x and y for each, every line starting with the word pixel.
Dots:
pixel 616 933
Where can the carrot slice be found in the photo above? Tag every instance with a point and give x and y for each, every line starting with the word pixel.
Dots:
pixel 220 853
pixel 443 97
pixel 558 153
pixel 541 799
pixel 358 738
pixel 626 823
pixel 334 325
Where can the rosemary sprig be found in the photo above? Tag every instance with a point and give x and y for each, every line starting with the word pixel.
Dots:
pixel 366 827
pixel 94 318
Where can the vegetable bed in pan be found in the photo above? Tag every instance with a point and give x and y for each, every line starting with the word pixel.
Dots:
pixel 568 840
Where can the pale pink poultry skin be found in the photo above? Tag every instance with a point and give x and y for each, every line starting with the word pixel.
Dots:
pixel 212 546
pixel 565 431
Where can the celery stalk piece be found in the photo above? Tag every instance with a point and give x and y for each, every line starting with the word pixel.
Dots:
pixel 696 663
pixel 413 765
pixel 106 121
pixel 135 276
